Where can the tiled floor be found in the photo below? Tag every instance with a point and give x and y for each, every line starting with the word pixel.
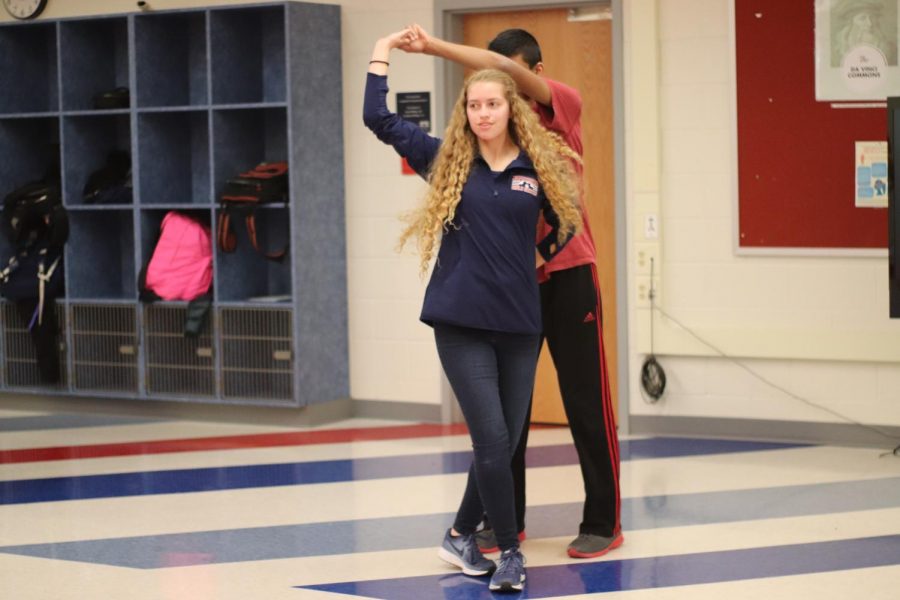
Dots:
pixel 110 507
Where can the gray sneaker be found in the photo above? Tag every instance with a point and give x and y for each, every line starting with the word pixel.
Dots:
pixel 462 551
pixel 510 575
pixel 487 541
pixel 587 545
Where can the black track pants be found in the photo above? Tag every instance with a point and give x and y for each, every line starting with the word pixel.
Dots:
pixel 572 312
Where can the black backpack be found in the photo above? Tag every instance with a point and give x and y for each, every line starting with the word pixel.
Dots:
pixel 33 215
pixel 37 227
pixel 267 182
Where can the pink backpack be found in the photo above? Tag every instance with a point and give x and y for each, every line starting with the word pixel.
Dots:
pixel 181 265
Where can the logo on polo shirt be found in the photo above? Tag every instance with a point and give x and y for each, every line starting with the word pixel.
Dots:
pixel 525 184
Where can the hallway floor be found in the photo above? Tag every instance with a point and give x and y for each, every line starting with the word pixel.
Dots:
pixel 107 507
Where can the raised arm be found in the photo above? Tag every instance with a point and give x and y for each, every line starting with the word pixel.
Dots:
pixel 530 83
pixel 409 140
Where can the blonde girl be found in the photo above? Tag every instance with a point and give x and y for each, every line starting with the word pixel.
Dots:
pixel 492 180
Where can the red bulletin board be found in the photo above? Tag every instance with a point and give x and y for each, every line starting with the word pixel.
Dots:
pixel 796 169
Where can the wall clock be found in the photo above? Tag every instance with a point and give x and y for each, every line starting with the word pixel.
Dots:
pixel 24 9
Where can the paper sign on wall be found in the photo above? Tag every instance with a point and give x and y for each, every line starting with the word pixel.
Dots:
pixel 856 49
pixel 414 107
pixel 871 174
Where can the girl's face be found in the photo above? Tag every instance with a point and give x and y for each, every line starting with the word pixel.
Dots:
pixel 487 110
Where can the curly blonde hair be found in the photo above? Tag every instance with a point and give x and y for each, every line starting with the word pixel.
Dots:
pixel 551 156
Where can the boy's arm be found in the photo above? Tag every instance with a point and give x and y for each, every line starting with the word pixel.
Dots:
pixel 549 245
pixel 531 84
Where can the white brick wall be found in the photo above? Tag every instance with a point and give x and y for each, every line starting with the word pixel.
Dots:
pixel 392 354
pixel 789 316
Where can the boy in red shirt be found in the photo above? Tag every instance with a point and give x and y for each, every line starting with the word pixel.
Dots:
pixel 570 303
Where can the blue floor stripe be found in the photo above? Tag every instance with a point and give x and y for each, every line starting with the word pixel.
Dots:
pixel 416 531
pixel 302 473
pixel 673 447
pixel 644 573
pixel 64 421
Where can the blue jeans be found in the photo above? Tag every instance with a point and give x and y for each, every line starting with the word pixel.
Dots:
pixel 492 375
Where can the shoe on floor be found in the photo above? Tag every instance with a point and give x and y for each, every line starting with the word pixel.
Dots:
pixel 510 574
pixel 462 551
pixel 587 545
pixel 487 541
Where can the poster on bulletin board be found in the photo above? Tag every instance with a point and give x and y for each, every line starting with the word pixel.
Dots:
pixel 871 174
pixel 798 182
pixel 856 49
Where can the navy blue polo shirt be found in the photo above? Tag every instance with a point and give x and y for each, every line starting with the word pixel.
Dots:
pixel 484 276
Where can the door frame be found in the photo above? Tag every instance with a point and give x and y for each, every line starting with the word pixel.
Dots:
pixel 448 24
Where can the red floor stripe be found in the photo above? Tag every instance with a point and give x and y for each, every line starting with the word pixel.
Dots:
pixel 231 442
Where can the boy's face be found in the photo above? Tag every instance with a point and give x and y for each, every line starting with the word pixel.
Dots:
pixel 538 68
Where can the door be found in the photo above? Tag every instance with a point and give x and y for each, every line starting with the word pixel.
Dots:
pixel 578 53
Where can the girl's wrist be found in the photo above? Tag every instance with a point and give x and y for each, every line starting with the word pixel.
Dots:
pixel 385 44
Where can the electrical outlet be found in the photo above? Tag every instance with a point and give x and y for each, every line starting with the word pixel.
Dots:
pixel 643 291
pixel 645 253
pixel 651 226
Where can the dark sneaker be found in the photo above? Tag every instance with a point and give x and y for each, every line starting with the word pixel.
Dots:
pixel 587 545
pixel 463 552
pixel 487 541
pixel 510 574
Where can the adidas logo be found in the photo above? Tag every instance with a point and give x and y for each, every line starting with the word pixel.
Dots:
pixel 589 318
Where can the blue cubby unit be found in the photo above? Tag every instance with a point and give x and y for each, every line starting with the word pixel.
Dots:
pixel 170 59
pixel 100 255
pixel 88 141
pixel 173 155
pixel 94 58
pixel 20 364
pixel 176 364
pixel 247 47
pixel 104 340
pixel 257 354
pixel 29 150
pixel 214 91
pixel 28 56
pixel 245 275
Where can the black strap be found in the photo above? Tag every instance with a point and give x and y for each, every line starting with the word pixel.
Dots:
pixel 227 240
pixel 196 314
pixel 225 237
pixel 277 255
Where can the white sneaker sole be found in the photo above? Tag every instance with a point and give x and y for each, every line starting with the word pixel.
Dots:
pixel 508 588
pixel 454 560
